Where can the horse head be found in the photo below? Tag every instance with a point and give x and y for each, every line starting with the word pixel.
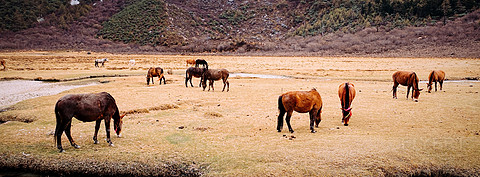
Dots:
pixel 429 87
pixel 416 94
pixel 117 124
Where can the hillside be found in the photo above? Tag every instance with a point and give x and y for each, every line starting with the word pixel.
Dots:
pixel 409 28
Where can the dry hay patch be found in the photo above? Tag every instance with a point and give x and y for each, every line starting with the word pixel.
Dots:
pixel 212 114
pixel 156 108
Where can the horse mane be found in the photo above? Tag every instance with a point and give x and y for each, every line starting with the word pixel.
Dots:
pixel 415 81
pixel 347 97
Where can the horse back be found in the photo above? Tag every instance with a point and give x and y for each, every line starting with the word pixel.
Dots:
pixel 437 75
pixel 302 101
pixel 86 107
pixel 402 77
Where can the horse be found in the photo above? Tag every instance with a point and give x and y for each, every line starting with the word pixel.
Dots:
pixel 131 63
pixel 86 108
pixel 408 79
pixel 201 62
pixel 2 62
pixel 155 72
pixel 301 102
pixel 190 62
pixel 346 93
pixel 214 75
pixel 194 72
pixel 435 76
pixel 103 60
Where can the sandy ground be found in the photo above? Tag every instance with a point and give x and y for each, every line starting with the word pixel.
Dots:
pixel 233 133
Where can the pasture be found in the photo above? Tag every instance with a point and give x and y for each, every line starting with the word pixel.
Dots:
pixel 234 133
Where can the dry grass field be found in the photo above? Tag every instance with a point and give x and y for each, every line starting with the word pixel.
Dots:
pixel 171 127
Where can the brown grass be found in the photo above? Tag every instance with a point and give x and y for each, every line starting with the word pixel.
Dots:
pixel 233 133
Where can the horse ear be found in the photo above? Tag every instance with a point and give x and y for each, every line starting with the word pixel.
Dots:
pixel 122 116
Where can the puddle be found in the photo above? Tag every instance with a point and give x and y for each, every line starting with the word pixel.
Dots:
pixel 14 91
pixel 263 76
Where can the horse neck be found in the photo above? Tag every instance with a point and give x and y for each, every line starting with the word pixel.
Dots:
pixel 430 77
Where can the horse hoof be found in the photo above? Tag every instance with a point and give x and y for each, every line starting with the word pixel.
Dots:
pixel 279 130
pixel 111 144
pixel 76 146
pixel 313 131
pixel 345 124
pixel 291 131
pixel 61 150
pixel 95 142
pixel 119 136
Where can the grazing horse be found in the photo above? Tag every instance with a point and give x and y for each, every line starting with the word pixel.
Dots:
pixel 2 62
pixel 408 79
pixel 201 62
pixel 155 72
pixel 102 61
pixel 302 102
pixel 194 72
pixel 434 76
pixel 86 108
pixel 190 62
pixel 214 75
pixel 346 93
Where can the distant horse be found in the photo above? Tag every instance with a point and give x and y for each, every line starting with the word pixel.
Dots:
pixel 435 76
pixel 194 72
pixel 214 75
pixel 2 62
pixel 155 72
pixel 190 62
pixel 408 79
pixel 346 93
pixel 102 61
pixel 302 102
pixel 86 108
pixel 201 62
pixel 131 63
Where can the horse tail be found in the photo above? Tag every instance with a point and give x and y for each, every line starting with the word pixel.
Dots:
pixel 347 97
pixel 280 104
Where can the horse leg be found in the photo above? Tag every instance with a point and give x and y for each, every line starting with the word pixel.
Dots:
pixel 107 128
pixel 97 127
pixel 312 119
pixel 441 84
pixel 435 86
pixel 148 81
pixel 408 91
pixel 280 121
pixel 69 135
pixel 58 132
pixel 395 85
pixel 287 119
pixel 210 84
pixel 163 77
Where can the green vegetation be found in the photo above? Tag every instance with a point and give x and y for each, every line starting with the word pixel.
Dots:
pixel 324 16
pixel 16 15
pixel 144 22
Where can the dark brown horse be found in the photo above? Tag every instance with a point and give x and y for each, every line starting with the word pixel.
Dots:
pixel 408 79
pixel 201 62
pixel 2 62
pixel 155 72
pixel 194 72
pixel 214 75
pixel 302 102
pixel 346 93
pixel 86 108
pixel 435 76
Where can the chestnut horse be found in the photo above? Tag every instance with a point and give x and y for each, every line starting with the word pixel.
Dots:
pixel 435 76
pixel 408 79
pixel 2 62
pixel 86 108
pixel 194 72
pixel 302 102
pixel 190 62
pixel 214 75
pixel 155 72
pixel 346 93
pixel 201 62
